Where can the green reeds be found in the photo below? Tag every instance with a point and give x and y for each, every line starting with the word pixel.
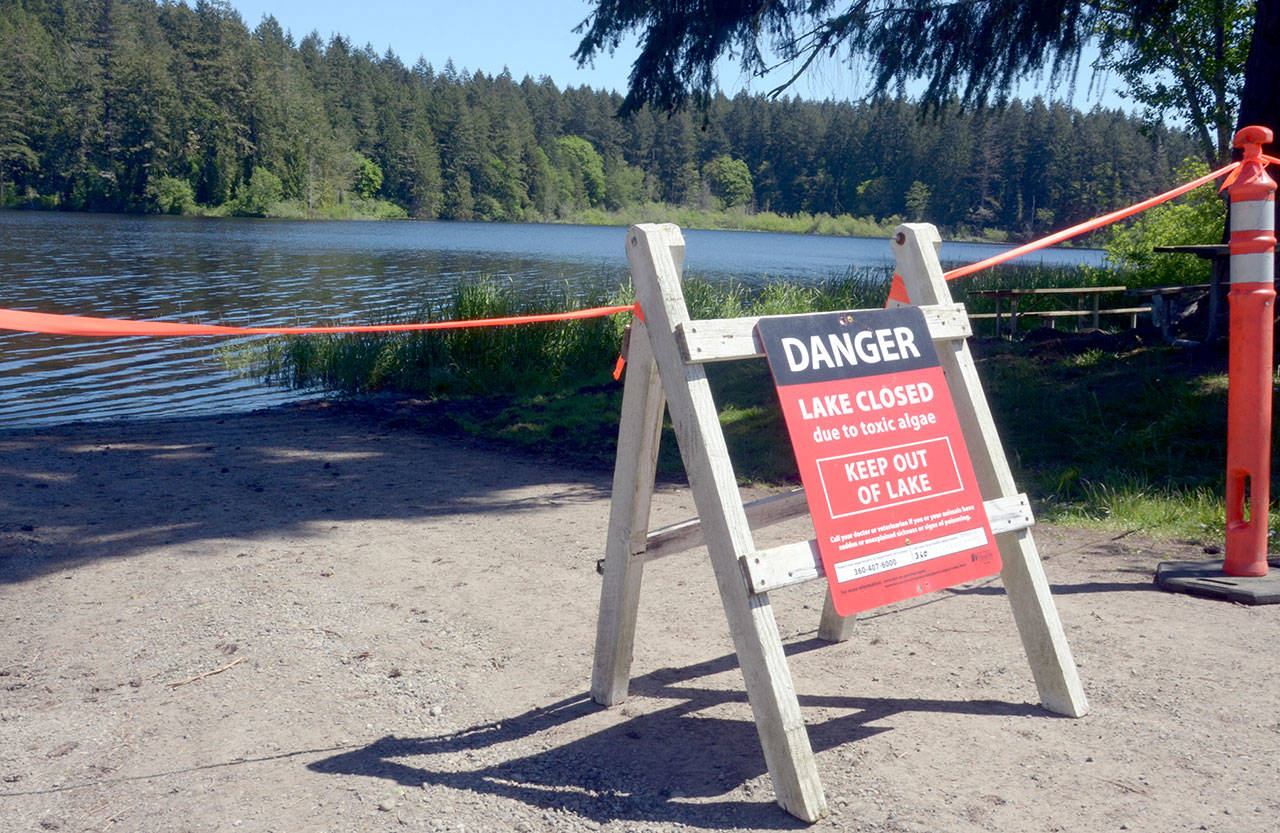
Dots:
pixel 527 358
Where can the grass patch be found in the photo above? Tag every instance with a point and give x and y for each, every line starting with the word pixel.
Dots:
pixel 737 219
pixel 1114 432
pixel 1190 514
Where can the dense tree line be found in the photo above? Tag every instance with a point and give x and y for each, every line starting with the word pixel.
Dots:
pixel 134 105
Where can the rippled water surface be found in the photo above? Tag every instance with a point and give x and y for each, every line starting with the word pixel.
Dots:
pixel 263 272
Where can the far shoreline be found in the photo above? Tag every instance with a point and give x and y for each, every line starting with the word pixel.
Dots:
pixel 766 222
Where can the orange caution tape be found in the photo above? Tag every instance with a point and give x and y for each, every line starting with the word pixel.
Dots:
pixel 77 325
pixel 1261 157
pixel 621 364
pixel 1089 225
pixel 898 290
pixel 1239 166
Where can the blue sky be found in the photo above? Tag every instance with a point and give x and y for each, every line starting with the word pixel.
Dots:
pixel 529 38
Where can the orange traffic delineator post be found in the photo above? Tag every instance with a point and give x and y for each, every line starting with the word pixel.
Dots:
pixel 1252 300
pixel 1242 575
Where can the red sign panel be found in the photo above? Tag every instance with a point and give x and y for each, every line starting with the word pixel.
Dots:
pixel 892 492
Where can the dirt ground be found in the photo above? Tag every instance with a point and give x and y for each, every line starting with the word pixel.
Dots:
pixel 311 620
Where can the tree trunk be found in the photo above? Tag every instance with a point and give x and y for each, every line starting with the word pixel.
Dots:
pixel 1260 99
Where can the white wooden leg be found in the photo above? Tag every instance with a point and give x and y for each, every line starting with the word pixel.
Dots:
pixel 639 430
pixel 656 254
pixel 915 248
pixel 833 627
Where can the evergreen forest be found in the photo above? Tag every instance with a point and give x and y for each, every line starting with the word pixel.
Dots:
pixel 145 106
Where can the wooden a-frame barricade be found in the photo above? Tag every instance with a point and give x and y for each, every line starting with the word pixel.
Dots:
pixel 665 370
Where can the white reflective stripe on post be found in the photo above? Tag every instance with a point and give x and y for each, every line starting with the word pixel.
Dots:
pixel 1253 268
pixel 1253 215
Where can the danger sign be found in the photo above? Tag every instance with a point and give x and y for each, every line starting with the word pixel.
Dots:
pixel 888 480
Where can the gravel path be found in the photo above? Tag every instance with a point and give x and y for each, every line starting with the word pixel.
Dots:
pixel 310 620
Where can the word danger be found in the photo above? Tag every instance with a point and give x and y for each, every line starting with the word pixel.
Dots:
pixel 845 349
pixel 845 404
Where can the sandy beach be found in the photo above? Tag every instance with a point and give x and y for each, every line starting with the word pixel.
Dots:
pixel 316 619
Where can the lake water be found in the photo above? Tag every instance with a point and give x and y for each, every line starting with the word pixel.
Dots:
pixel 265 272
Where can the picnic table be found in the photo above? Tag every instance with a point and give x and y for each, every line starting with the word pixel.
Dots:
pixel 1087 305
pixel 1171 305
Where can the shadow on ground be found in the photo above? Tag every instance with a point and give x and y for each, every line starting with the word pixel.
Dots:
pixel 669 765
pixel 74 493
